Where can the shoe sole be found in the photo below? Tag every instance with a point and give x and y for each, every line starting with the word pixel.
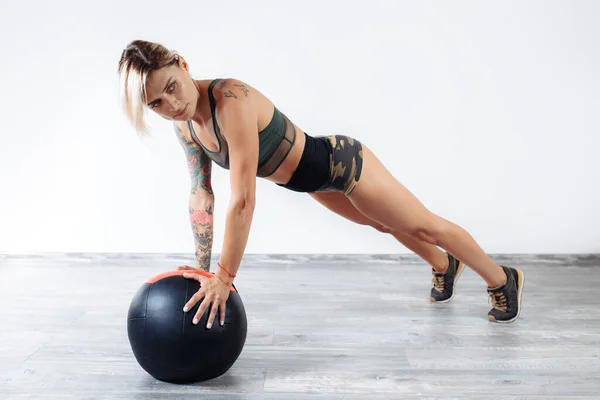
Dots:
pixel 461 267
pixel 519 297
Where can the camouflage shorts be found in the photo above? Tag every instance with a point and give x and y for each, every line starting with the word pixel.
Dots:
pixel 346 159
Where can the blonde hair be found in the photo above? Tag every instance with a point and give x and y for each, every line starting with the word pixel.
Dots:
pixel 137 61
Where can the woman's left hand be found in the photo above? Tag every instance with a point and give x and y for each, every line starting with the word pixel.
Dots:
pixel 213 291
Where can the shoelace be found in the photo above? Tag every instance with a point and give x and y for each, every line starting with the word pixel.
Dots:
pixel 438 282
pixel 498 301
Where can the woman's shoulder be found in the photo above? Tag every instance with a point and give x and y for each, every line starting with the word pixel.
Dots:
pixel 229 89
pixel 234 96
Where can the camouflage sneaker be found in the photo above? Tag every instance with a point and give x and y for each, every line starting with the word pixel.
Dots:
pixel 443 283
pixel 506 299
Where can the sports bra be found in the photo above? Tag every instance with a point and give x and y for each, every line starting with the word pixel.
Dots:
pixel 275 140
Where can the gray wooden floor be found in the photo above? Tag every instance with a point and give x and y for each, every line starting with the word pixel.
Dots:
pixel 321 327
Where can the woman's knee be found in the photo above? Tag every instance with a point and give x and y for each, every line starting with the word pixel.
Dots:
pixel 381 228
pixel 433 230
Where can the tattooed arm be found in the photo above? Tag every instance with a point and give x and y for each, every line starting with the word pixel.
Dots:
pixel 201 201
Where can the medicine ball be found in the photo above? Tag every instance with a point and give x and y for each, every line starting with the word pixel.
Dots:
pixel 166 343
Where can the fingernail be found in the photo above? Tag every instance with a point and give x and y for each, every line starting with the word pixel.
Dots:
pixel 195 321
pixel 185 309
pixel 222 322
pixel 209 325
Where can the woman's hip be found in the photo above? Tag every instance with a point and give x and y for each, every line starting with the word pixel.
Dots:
pixel 328 163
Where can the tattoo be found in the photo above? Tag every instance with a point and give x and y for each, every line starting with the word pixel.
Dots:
pixel 202 227
pixel 202 180
pixel 242 88
pixel 199 165
pixel 229 93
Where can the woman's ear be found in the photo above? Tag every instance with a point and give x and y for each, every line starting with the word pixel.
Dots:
pixel 183 63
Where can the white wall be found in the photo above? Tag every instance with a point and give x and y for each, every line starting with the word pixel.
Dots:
pixel 487 111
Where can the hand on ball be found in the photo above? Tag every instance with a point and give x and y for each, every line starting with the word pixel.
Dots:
pixel 213 293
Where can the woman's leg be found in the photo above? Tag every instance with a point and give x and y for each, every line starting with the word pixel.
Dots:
pixel 380 197
pixel 341 205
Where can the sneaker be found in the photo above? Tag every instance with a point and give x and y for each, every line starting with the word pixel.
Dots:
pixel 443 283
pixel 506 299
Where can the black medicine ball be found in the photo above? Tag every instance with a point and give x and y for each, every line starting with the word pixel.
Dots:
pixel 166 343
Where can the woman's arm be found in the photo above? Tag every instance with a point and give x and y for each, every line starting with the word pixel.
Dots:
pixel 201 199
pixel 238 121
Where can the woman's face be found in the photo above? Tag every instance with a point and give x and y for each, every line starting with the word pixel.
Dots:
pixel 171 92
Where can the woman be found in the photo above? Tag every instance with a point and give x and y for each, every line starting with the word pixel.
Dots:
pixel 231 123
